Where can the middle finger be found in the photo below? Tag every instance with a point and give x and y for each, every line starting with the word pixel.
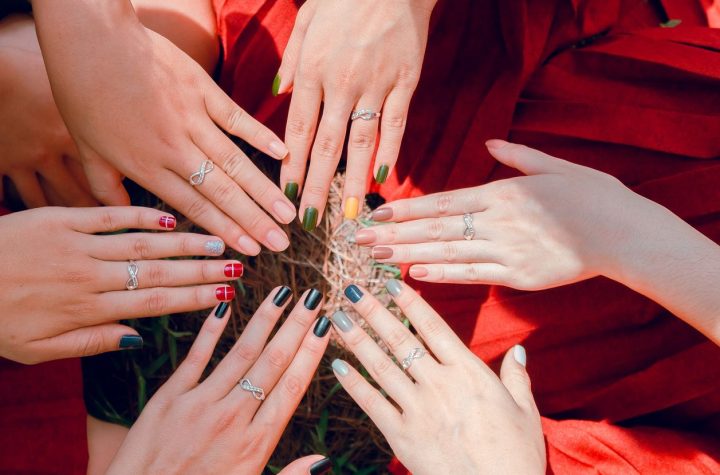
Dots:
pixel 450 228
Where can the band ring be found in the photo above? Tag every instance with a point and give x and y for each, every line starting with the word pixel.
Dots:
pixel 469 229
pixel 258 393
pixel 364 114
pixel 415 353
pixel 198 177
pixel 132 283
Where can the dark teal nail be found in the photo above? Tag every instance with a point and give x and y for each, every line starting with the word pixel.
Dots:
pixel 131 342
pixel 353 293
pixel 321 327
pixel 321 467
pixel 222 309
pixel 313 299
pixel 282 296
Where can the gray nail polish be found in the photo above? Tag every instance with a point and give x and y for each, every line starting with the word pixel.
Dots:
pixel 520 355
pixel 340 367
pixel 215 247
pixel 394 287
pixel 342 321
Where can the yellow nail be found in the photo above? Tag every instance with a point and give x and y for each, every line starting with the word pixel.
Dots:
pixel 351 208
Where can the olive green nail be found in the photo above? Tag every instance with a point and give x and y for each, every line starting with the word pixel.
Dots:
pixel 291 191
pixel 382 174
pixel 276 85
pixel 310 219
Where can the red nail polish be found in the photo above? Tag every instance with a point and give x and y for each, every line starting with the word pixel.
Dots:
pixel 234 270
pixel 225 293
pixel 167 222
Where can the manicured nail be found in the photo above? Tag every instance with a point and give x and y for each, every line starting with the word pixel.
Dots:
pixel 225 293
pixel 321 327
pixel 282 296
pixel 277 240
pixel 215 247
pixel 310 219
pixel 248 246
pixel 291 191
pixel 495 144
pixel 353 293
pixel 520 355
pixel 351 208
pixel 313 299
pixel 418 272
pixel 382 214
pixel 394 287
pixel 222 309
pixel 284 210
pixel 130 342
pixel 276 85
pixel 342 321
pixel 278 149
pixel 382 174
pixel 365 236
pixel 233 270
pixel 321 467
pixel 168 222
pixel 380 252
pixel 340 367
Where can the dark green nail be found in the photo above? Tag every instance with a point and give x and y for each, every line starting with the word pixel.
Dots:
pixel 310 219
pixel 291 191
pixel 130 342
pixel 276 85
pixel 382 174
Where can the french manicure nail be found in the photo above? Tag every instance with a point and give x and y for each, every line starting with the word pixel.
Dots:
pixel 394 287
pixel 382 174
pixel 380 252
pixel 310 219
pixel 365 236
pixel 321 467
pixel 215 247
pixel 276 85
pixel 313 299
pixel 340 367
pixel 418 272
pixel 278 149
pixel 342 321
pixel 167 222
pixel 234 270
pixel 351 208
pixel 291 190
pixel 321 327
pixel 520 355
pixel 131 342
pixel 382 214
pixel 248 246
pixel 225 293
pixel 284 211
pixel 353 293
pixel 277 239
pixel 282 296
pixel 221 309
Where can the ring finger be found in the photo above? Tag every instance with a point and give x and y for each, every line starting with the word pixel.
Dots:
pixel 449 228
pixel 170 273
pixel 439 252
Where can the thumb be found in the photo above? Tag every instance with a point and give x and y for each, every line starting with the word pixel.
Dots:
pixel 312 464
pixel 526 159
pixel 88 341
pixel 106 183
pixel 515 378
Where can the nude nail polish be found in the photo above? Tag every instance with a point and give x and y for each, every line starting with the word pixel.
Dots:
pixel 284 211
pixel 380 252
pixel 418 272
pixel 382 214
pixel 365 236
pixel 277 240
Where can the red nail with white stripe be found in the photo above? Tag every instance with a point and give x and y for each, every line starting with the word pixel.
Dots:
pixel 234 270
pixel 225 293
pixel 168 222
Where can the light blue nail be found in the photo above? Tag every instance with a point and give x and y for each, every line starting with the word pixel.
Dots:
pixel 394 287
pixel 342 321
pixel 340 367
pixel 520 355
pixel 215 247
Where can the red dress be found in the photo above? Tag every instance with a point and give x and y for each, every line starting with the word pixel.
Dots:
pixel 624 386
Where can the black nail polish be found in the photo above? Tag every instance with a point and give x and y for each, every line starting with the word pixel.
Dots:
pixel 321 467
pixel 313 299
pixel 282 296
pixel 131 342
pixel 353 293
pixel 222 309
pixel 321 327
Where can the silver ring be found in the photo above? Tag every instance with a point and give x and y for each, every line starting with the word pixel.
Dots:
pixel 469 229
pixel 258 393
pixel 364 114
pixel 198 177
pixel 132 283
pixel 415 353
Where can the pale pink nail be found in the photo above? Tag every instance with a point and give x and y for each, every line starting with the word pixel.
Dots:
pixel 278 149
pixel 418 272
pixel 277 240
pixel 365 236
pixel 248 246
pixel 284 211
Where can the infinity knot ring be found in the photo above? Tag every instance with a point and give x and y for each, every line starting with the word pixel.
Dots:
pixel 258 393
pixel 198 177
pixel 132 283
pixel 469 229
pixel 364 114
pixel 415 353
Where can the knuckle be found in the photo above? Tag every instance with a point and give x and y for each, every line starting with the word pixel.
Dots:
pixel 141 249
pixel 245 352
pixel 382 366
pixel 355 339
pixel 234 164
pixel 78 277
pixel 362 141
pixel 91 344
pixel 235 118
pixel 443 203
pixel 435 230
pixel 278 358
pixel 396 339
pixel 206 271
pixel 471 273
pixel 195 359
pixel 107 220
pixel 316 191
pixel 156 303
pixel 449 251
pixel 224 193
pixel 408 76
pixel 299 128
pixel 157 275
pixel 370 400
pixel 303 318
pixel 185 246
pixel 196 208
pixel 224 419
pixel 326 147
pixel 293 386
pixel 394 121
pixel 432 327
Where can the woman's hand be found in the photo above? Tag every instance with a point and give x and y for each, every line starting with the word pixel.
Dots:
pixel 452 414
pixel 137 106
pixel 63 288
pixel 221 425
pixel 347 56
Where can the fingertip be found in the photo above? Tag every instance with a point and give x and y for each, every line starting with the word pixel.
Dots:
pixel 495 144
pixel 519 355
pixel 419 272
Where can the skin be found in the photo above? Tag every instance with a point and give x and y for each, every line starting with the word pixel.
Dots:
pixel 562 223
pixel 231 431
pixel 345 55
pixel 451 413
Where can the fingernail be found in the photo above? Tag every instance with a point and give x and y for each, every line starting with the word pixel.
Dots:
pixel 382 174
pixel 495 144
pixel 221 310
pixel 284 211
pixel 233 270
pixel 130 342
pixel 215 247
pixel 291 191
pixel 340 367
pixel 277 239
pixel 321 467
pixel 418 272
pixel 365 236
pixel 353 293
pixel 342 321
pixel 225 293
pixel 321 327
pixel 168 222
pixel 520 355
pixel 310 219
pixel 380 252
pixel 276 85
pixel 394 287
pixel 351 208
pixel 382 214
pixel 313 299
pixel 282 296
pixel 278 149
pixel 248 246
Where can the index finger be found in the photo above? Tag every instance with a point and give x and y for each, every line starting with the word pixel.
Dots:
pixel 447 203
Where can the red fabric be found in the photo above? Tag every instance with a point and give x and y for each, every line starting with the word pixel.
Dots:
pixel 634 388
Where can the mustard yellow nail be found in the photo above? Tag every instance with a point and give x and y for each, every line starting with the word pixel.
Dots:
pixel 351 208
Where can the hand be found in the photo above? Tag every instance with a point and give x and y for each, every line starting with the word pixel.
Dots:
pixel 36 151
pixel 454 415
pixel 561 224
pixel 347 55
pixel 64 288
pixel 217 426
pixel 138 106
